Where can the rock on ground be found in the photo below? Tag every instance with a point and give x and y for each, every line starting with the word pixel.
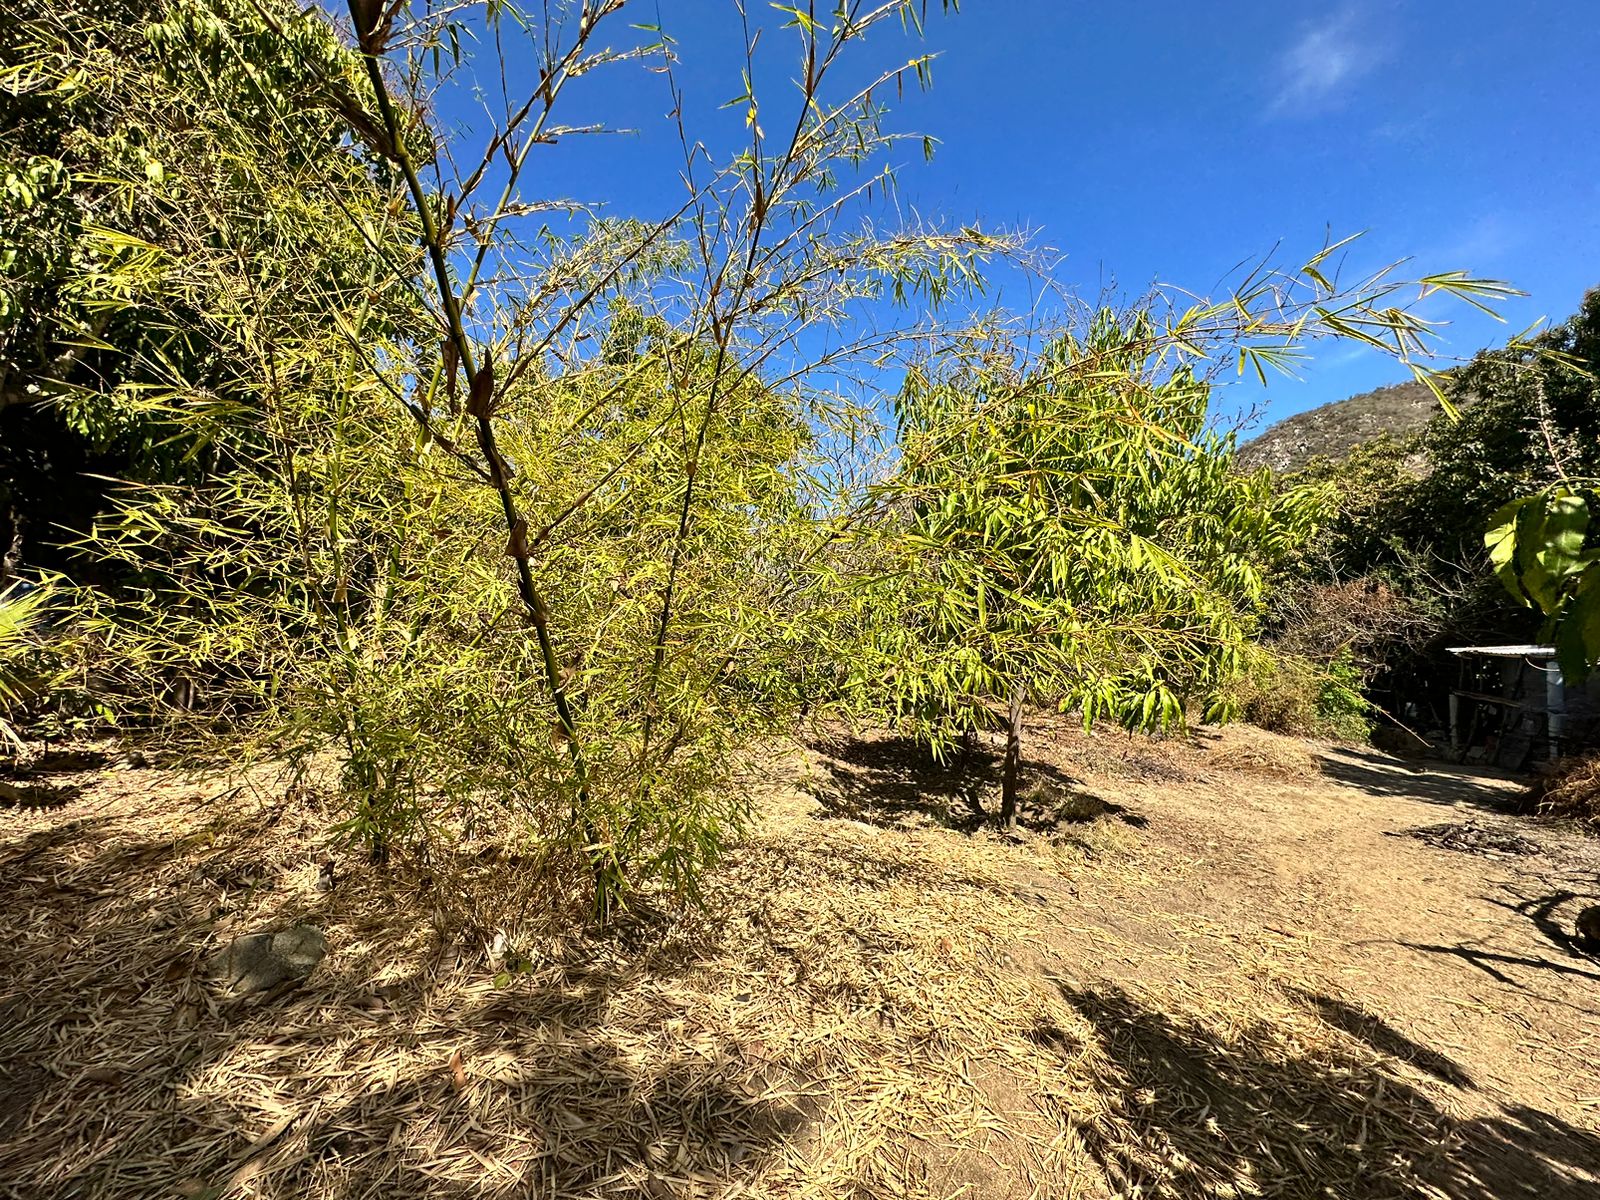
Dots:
pixel 258 961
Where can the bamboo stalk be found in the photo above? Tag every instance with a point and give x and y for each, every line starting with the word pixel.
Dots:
pixel 481 407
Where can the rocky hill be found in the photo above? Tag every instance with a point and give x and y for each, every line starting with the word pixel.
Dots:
pixel 1335 429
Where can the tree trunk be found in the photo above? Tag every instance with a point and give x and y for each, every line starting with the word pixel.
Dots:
pixel 1008 769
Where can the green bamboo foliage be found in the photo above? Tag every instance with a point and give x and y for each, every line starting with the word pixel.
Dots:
pixel 1062 529
pixel 1068 534
pixel 532 567
pixel 520 524
pixel 23 620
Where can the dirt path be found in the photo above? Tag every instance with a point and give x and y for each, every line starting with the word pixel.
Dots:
pixel 1458 964
pixel 1467 954
pixel 1225 969
pixel 1457 968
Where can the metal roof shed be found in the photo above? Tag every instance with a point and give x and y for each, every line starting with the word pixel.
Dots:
pixel 1511 700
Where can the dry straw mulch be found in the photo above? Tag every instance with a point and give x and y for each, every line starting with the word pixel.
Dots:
pixel 862 1012
pixel 1254 751
pixel 1571 789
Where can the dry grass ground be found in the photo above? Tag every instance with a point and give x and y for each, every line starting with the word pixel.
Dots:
pixel 1203 970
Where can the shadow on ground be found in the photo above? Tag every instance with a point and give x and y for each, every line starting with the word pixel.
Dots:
pixel 1188 1112
pixel 1499 965
pixel 124 1071
pixel 1377 774
pixel 1539 908
pixel 897 783
pixel 1376 1033
pixel 32 795
pixel 1548 904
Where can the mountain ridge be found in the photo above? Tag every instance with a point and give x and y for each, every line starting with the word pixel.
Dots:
pixel 1333 430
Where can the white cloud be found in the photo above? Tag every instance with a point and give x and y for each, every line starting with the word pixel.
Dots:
pixel 1316 72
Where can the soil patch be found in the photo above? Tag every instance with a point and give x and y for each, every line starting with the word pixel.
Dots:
pixel 1182 979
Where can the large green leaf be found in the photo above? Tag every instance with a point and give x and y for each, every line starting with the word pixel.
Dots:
pixel 1578 636
pixel 1501 542
pixel 1566 524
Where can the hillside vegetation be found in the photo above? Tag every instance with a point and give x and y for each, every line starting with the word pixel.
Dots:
pixel 1419 546
pixel 1333 430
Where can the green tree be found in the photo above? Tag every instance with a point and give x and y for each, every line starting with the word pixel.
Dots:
pixel 1527 416
pixel 1080 540
pixel 167 166
pixel 1368 493
pixel 538 574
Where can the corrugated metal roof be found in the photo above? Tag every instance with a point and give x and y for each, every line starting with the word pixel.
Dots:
pixel 1506 651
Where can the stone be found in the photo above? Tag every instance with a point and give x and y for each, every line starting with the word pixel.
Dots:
pixel 1587 928
pixel 258 961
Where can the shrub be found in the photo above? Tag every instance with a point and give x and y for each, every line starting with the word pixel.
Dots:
pixel 26 670
pixel 1570 789
pixel 1293 694
pixel 1366 615
pixel 1342 707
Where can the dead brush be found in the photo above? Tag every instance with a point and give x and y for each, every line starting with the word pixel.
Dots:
pixel 1257 752
pixel 1571 789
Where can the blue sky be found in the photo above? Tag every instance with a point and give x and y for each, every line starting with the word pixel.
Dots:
pixel 1168 140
